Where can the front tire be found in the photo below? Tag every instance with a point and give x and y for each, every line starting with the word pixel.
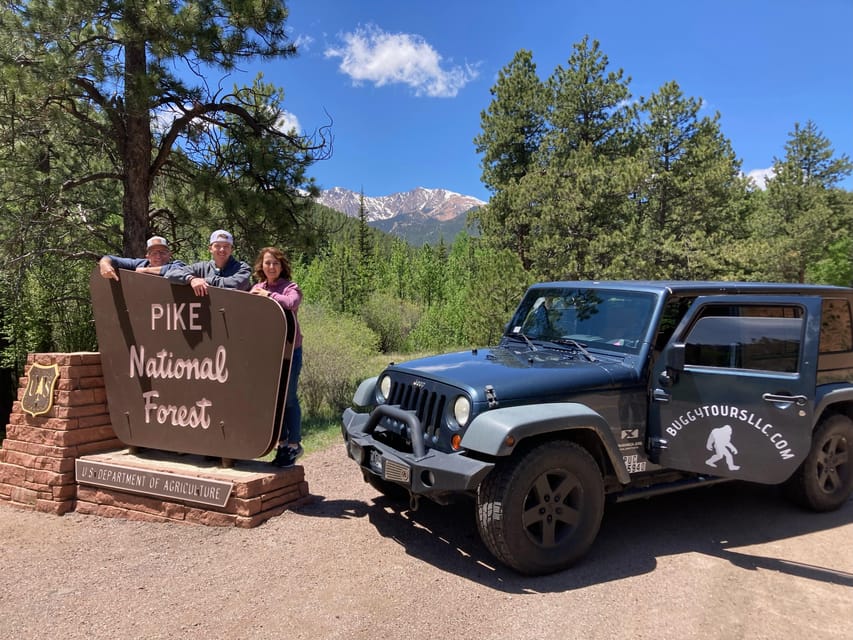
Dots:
pixel 824 481
pixel 540 513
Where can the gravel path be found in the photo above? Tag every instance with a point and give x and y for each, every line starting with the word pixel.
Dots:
pixel 733 561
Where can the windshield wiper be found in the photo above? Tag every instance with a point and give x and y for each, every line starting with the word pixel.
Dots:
pixel 521 336
pixel 577 345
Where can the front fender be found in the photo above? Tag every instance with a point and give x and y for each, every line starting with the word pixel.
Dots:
pixel 489 431
pixel 364 395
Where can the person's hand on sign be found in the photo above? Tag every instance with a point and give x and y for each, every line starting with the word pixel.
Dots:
pixel 199 285
pixel 107 269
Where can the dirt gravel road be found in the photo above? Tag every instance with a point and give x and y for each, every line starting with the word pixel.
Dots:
pixel 726 562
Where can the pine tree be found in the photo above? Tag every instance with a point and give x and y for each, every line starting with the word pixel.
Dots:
pixel 575 199
pixel 690 204
pixel 805 216
pixel 512 130
pixel 366 258
pixel 113 71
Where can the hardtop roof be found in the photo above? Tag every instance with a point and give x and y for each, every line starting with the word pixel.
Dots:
pixel 700 287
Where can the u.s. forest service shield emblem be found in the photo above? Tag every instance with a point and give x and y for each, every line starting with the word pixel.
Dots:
pixel 38 397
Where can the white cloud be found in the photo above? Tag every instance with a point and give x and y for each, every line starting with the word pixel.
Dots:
pixel 303 43
pixel 287 122
pixel 759 177
pixel 371 55
pixel 163 119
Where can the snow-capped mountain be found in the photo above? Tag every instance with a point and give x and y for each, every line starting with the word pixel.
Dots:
pixel 437 204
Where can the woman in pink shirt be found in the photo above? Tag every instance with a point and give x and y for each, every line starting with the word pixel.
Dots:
pixel 272 271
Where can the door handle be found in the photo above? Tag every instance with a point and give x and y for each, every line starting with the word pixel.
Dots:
pixel 775 397
pixel 659 395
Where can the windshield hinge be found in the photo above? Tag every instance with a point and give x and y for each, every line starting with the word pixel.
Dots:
pixel 491 396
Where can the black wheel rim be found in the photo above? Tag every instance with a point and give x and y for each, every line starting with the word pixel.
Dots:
pixel 833 464
pixel 552 508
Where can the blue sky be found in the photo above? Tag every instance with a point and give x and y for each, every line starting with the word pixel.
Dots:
pixel 406 81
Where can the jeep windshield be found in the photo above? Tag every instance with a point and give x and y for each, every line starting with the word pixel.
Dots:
pixel 607 319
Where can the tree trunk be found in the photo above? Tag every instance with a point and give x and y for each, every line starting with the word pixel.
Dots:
pixel 136 153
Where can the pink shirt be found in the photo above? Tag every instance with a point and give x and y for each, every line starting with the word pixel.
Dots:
pixel 288 294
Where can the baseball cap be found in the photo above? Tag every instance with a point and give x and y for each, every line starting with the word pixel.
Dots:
pixel 220 235
pixel 157 241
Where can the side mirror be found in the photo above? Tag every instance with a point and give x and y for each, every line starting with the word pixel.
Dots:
pixel 675 357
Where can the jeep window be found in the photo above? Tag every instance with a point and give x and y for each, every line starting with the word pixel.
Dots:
pixel 673 312
pixel 836 334
pixel 755 337
pixel 615 320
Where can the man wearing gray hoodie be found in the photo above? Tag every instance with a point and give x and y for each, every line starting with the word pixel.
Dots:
pixel 223 270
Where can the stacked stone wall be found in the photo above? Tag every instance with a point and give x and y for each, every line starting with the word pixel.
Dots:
pixel 37 456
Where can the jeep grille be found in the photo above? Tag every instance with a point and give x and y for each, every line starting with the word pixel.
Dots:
pixel 426 403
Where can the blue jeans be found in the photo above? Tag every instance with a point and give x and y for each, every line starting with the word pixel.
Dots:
pixel 292 428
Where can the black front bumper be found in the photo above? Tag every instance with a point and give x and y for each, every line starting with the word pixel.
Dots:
pixel 424 472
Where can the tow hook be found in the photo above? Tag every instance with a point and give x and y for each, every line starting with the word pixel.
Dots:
pixel 414 502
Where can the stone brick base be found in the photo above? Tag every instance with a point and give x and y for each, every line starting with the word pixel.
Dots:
pixel 37 456
pixel 260 491
pixel 37 460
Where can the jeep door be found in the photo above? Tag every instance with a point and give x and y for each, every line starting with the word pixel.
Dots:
pixel 732 393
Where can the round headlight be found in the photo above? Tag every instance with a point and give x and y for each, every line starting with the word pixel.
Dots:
pixel 462 410
pixel 384 388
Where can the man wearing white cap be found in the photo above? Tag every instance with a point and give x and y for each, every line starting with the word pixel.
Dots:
pixel 222 271
pixel 157 260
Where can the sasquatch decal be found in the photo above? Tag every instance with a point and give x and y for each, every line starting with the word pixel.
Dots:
pixel 720 442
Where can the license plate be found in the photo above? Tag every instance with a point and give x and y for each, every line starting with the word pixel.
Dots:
pixel 376 461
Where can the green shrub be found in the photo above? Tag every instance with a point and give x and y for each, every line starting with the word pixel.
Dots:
pixel 436 331
pixel 336 354
pixel 392 319
pixel 836 267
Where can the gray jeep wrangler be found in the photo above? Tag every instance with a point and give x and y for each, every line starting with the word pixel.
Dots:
pixel 618 390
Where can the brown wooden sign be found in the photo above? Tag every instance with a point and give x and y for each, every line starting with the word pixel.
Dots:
pixel 204 375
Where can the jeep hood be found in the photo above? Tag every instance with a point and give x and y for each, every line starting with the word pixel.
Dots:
pixel 516 375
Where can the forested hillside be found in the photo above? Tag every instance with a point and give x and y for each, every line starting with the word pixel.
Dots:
pixel 111 133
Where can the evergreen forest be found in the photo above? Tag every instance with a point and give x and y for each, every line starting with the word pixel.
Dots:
pixel 117 122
